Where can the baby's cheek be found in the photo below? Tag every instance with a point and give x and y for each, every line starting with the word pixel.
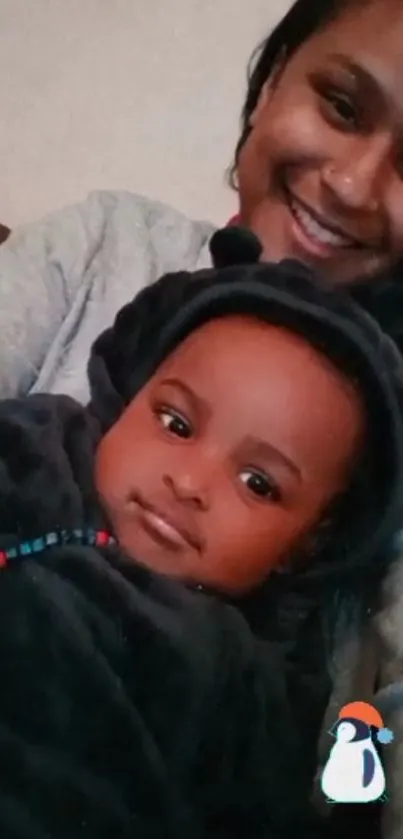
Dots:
pixel 255 542
pixel 125 534
pixel 110 475
pixel 238 547
pixel 101 468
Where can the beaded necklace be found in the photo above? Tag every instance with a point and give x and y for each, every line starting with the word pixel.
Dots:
pixel 78 536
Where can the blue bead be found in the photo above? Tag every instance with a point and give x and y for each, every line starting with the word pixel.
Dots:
pixel 12 553
pixel 25 548
pixel 51 539
pixel 38 545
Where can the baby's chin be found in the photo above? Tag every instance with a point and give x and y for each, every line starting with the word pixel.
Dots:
pixel 184 564
pixel 156 558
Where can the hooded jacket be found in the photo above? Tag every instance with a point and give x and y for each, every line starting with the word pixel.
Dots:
pixel 131 706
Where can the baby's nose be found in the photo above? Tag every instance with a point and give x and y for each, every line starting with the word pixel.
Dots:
pixel 189 487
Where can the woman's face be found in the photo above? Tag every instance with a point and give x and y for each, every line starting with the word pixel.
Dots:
pixel 227 457
pixel 321 173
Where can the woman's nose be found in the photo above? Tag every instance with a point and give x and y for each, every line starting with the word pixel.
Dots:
pixel 356 180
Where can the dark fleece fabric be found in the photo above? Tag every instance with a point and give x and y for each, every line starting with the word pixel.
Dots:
pixel 131 706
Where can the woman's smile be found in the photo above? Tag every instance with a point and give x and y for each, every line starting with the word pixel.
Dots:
pixel 316 234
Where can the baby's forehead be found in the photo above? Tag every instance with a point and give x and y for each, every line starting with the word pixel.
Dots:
pixel 249 358
pixel 245 344
pixel 224 334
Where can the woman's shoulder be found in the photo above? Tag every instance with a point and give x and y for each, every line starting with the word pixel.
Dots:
pixel 172 239
pixel 68 274
pixel 112 227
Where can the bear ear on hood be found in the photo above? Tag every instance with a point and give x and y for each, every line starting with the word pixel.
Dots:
pixel 237 246
pixel 234 246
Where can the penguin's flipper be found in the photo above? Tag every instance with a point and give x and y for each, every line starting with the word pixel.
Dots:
pixel 368 768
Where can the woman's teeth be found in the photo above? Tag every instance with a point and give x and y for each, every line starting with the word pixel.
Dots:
pixel 316 231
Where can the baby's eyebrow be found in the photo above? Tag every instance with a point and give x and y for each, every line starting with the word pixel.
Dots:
pixel 265 449
pixel 195 400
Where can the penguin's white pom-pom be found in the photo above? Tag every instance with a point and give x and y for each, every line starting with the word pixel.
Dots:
pixel 385 736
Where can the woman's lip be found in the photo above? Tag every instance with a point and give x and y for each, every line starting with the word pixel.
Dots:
pixel 314 236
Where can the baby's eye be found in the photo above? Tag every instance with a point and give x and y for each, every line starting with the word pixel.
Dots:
pixel 174 422
pixel 261 484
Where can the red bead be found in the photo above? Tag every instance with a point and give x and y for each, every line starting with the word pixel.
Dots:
pixel 102 537
pixel 3 559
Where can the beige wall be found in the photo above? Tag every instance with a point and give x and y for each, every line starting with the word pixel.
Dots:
pixel 129 94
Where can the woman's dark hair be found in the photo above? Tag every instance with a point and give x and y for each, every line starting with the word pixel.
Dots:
pixel 304 19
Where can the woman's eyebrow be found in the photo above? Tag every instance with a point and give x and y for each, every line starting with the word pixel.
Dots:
pixel 370 84
pixel 265 449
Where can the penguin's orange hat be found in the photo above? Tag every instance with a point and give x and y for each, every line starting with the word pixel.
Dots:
pixel 368 714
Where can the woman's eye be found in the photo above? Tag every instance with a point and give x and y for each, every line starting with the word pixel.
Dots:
pixel 174 423
pixel 343 108
pixel 261 484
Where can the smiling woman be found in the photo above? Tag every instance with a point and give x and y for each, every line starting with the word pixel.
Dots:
pixel 319 164
pixel 319 172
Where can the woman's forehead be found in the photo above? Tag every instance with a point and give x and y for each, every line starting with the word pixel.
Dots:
pixel 368 33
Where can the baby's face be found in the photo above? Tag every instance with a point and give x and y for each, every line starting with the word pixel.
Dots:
pixel 229 454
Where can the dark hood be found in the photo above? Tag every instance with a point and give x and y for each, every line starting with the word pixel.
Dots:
pixel 161 316
pixel 382 298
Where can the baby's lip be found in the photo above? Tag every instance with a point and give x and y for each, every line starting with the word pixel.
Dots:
pixel 176 518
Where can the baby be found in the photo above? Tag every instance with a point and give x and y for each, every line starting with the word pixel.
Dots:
pixel 238 417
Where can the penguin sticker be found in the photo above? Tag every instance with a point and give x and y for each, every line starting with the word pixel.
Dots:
pixel 354 773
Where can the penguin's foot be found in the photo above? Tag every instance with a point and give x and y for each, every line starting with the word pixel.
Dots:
pixel 330 800
pixel 383 797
